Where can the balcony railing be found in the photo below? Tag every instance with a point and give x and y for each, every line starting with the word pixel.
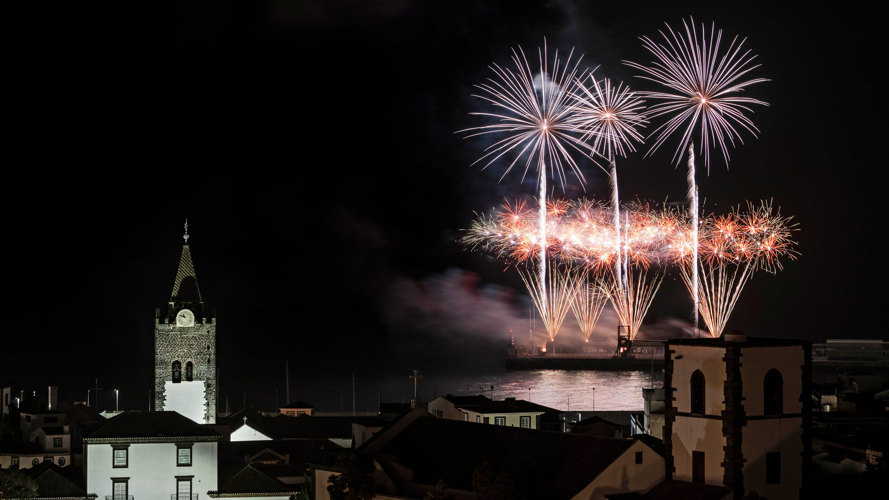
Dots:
pixel 118 497
pixel 184 496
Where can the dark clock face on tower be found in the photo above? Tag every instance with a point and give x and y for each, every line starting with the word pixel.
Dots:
pixel 185 318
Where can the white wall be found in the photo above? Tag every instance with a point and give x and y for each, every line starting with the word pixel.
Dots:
pixel 625 475
pixel 186 398
pixel 152 469
pixel 247 433
pixel 698 434
pixel 27 461
pixel 709 361
pixel 755 362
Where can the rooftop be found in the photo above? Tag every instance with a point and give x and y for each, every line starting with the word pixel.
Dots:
pixel 158 426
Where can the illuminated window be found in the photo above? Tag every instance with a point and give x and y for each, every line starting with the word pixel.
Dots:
pixel 121 457
pixel 189 371
pixel 697 392
pixel 499 420
pixel 525 422
pixel 177 372
pixel 773 393
pixel 466 417
pixel 183 455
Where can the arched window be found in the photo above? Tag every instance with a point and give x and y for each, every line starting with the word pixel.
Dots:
pixel 189 371
pixel 697 392
pixel 773 393
pixel 177 372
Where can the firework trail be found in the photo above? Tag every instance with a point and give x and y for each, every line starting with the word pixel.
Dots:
pixel 534 118
pixel 552 306
pixel 589 301
pixel 703 83
pixel 732 248
pixel 693 212
pixel 611 116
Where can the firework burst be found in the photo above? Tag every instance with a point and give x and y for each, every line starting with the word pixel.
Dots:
pixel 589 301
pixel 732 248
pixel 703 83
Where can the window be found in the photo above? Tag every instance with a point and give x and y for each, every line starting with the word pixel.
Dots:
pixel 61 461
pixel 121 457
pixel 15 463
pixel 48 459
pixel 189 371
pixel 697 467
pixel 290 413
pixel 525 422
pixel 183 488
pixel 638 457
pixel 478 419
pixel 183 455
pixel 56 442
pixel 487 420
pixel 35 461
pixel 773 468
pixel 773 393
pixel 499 420
pixel 697 392
pixel 119 488
pixel 177 372
pixel 465 417
pixel 438 413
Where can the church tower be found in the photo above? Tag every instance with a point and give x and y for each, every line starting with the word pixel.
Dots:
pixel 185 348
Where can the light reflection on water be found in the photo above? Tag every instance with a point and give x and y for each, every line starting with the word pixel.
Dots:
pixel 561 389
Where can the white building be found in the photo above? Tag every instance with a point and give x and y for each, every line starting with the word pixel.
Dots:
pixel 151 455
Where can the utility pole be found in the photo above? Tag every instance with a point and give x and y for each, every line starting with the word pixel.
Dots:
pixel 415 402
pixel 353 395
pixel 287 382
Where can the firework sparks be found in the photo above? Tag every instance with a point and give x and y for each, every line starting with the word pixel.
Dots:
pixel 703 84
pixel 553 303
pixel 732 248
pixel 534 119
pixel 610 116
pixel 589 302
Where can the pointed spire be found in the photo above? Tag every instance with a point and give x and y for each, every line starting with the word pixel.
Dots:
pixel 185 287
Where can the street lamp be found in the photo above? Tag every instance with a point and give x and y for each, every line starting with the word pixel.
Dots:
pixel 594 399
pixel 115 400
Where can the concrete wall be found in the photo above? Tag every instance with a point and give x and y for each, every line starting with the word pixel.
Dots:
pixel 756 361
pixel 247 433
pixel 26 461
pixel 783 435
pixel 447 409
pixel 625 475
pixel 151 470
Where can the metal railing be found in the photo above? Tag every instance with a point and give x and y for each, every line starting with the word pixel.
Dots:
pixel 118 497
pixel 184 496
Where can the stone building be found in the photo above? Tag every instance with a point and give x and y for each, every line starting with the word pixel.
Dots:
pixel 185 348
pixel 736 414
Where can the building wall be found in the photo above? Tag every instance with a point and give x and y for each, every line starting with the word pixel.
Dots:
pixel 625 475
pixel 698 434
pixel 247 433
pixel 26 461
pixel 783 435
pixel 709 361
pixel 196 344
pixel 756 361
pixel 151 470
pixel 46 441
pixel 447 409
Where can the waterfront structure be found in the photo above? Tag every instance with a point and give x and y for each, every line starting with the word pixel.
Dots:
pixel 151 455
pixel 737 413
pixel 185 348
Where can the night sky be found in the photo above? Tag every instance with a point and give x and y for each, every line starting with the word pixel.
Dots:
pixel 311 146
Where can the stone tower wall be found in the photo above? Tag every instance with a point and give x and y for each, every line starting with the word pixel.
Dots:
pixel 196 344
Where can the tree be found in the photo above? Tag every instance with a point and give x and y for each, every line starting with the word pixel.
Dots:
pixel 355 482
pixel 14 484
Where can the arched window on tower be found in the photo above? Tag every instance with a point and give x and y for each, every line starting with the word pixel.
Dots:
pixel 697 392
pixel 189 371
pixel 177 372
pixel 773 393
